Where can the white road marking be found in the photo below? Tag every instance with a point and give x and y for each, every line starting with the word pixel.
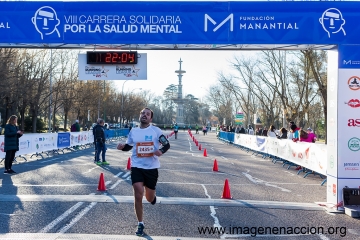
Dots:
pixel 50 160
pixel 77 217
pixel 259 181
pixel 290 173
pixel 126 175
pixel 172 170
pixel 60 218
pixel 90 169
pixel 119 174
pixel 8 214
pixel 323 237
pixel 212 209
pixel 115 184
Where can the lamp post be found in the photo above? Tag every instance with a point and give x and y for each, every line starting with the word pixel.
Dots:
pixel 122 103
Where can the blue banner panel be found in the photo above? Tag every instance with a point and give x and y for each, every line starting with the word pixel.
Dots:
pixel 114 22
pixel 63 140
pixel 349 56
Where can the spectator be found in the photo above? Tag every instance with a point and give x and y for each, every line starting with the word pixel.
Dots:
pixel 283 134
pixel 290 134
pixel 75 127
pixel 11 143
pixel 250 130
pixel 237 129
pixel 242 130
pixel 99 139
pixel 312 135
pixel 264 132
pixel 257 132
pixel 271 132
pixel 295 132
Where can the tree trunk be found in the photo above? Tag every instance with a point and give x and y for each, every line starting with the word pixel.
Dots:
pixel 34 119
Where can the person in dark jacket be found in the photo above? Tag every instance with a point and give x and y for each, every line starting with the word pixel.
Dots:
pixel 99 139
pixel 12 135
pixel 283 134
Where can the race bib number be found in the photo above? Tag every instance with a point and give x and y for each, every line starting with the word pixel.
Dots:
pixel 145 149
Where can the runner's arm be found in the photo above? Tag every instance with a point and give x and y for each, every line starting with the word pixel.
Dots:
pixel 127 147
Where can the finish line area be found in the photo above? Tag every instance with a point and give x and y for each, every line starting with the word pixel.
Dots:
pixel 57 197
pixel 67 202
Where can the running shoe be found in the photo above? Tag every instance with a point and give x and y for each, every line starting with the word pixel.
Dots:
pixel 99 163
pixel 7 172
pixel 140 230
pixel 154 201
pixel 105 163
pixel 12 171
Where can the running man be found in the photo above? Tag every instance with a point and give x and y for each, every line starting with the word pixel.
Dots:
pixel 144 162
pixel 176 129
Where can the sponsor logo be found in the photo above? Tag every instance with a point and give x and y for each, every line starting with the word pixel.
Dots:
pixel 351 62
pixel 148 138
pixel 354 144
pixel 354 103
pixel 334 189
pixel 268 23
pixel 354 83
pixel 354 122
pixel 332 21
pixel 96 71
pixel 351 166
pixel 229 19
pixel 127 71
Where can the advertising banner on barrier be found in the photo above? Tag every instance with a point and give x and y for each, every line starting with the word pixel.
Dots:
pixel 78 138
pixel 309 155
pixel 43 142
pixel 25 144
pixel 63 140
pixel 227 22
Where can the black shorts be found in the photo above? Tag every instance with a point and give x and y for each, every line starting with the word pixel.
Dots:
pixel 148 176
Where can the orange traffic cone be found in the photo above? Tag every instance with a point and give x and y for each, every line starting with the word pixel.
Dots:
pixel 226 192
pixel 128 167
pixel 205 153
pixel 101 186
pixel 199 146
pixel 215 168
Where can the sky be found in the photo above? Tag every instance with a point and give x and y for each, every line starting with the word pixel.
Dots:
pixel 201 66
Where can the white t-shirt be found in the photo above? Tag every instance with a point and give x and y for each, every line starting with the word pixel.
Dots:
pixel 145 142
pixel 271 134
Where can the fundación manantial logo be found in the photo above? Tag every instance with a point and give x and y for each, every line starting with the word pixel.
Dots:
pixel 331 20
pixel 229 18
pixel 46 21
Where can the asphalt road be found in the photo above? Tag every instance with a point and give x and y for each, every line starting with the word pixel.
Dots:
pixel 57 198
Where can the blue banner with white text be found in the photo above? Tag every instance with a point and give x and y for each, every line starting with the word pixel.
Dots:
pixel 118 22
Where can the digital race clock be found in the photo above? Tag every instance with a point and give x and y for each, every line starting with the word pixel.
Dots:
pixel 114 57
